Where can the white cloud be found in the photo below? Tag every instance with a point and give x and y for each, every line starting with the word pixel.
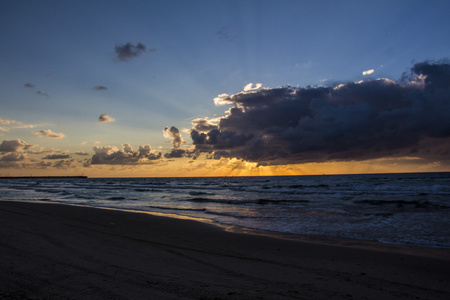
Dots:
pixel 222 99
pixel 249 87
pixel 368 72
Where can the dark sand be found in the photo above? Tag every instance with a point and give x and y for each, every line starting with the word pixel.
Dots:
pixel 52 251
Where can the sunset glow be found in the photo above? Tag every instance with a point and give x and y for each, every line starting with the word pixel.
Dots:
pixel 236 88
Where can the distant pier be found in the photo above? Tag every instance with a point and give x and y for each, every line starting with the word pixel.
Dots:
pixel 40 177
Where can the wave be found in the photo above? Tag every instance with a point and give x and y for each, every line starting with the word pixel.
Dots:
pixel 82 197
pixel 177 208
pixel 194 193
pixel 260 201
pixel 400 203
pixel 116 198
pixel 306 186
pixel 51 191
pixel 147 190
pixel 206 211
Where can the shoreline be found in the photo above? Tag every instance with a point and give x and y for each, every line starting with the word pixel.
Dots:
pixel 437 252
pixel 65 252
pixel 420 250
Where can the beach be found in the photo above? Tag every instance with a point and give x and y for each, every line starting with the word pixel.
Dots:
pixel 52 251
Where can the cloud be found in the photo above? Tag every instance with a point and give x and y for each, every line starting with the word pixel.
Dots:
pixel 111 155
pixel 81 153
pixel 42 93
pixel 13 150
pixel 368 72
pixel 57 156
pixel 224 34
pixel 352 121
pixel 127 51
pixel 13 157
pixel 249 87
pixel 49 134
pixel 39 92
pixel 6 122
pixel 104 118
pixel 43 164
pixel 176 153
pixel 174 134
pixel 40 151
pixel 14 146
pixel 64 164
pixel 221 99
pixel 434 75
pixel 205 124
pixel 14 124
pixel 99 88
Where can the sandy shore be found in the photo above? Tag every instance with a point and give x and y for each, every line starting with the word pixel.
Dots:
pixel 64 252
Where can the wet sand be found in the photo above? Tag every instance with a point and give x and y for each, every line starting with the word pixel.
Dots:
pixel 51 251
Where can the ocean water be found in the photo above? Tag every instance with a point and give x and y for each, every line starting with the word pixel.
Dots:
pixel 412 209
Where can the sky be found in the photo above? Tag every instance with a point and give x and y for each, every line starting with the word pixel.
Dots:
pixel 223 88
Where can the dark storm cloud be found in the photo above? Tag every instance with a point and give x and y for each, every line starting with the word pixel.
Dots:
pixel 111 155
pixel 29 85
pixel 127 51
pixel 352 121
pixel 437 75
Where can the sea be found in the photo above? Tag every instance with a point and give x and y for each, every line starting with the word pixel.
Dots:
pixel 406 209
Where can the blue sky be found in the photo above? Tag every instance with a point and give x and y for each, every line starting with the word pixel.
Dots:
pixel 194 51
